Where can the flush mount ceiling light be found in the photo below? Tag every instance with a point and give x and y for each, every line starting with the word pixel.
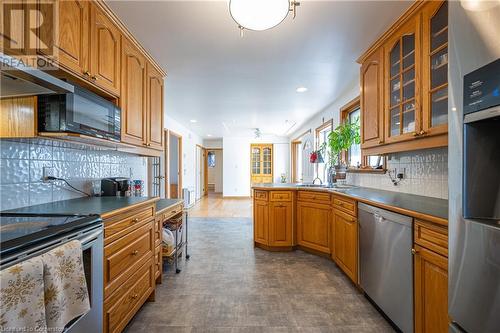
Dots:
pixel 193 121
pixel 479 5
pixel 301 89
pixel 261 15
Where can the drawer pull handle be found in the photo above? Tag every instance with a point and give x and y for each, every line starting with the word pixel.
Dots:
pixel 135 252
pixel 134 296
pixel 135 220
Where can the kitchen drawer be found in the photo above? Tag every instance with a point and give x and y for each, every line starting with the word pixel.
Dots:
pixel 431 236
pixel 313 196
pixel 172 211
pixel 260 195
pixel 125 302
pixel 124 256
pixel 158 262
pixel 158 231
pixel 122 224
pixel 346 205
pixel 281 196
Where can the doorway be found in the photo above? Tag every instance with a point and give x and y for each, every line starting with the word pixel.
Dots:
pixel 201 172
pixel 174 165
pixel 297 161
pixel 214 172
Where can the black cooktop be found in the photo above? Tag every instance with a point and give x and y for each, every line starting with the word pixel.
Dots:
pixel 19 231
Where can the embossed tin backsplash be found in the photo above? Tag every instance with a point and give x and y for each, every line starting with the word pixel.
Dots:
pixel 426 173
pixel 22 162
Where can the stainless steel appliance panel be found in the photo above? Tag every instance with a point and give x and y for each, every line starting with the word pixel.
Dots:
pixel 386 263
pixel 474 301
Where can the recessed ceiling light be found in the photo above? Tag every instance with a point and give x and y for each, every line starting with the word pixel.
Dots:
pixel 209 135
pixel 193 121
pixel 301 89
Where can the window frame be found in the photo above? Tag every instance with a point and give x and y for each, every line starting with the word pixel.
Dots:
pixel 319 129
pixel 345 110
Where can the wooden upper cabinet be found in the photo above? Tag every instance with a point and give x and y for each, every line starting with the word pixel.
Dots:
pixel 435 68
pixel 401 78
pixel 155 133
pixel 133 95
pixel 105 52
pixel 71 40
pixel 12 25
pixel 372 100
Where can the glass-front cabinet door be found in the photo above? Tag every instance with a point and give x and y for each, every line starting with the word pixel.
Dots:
pixel 261 163
pixel 435 68
pixel 402 93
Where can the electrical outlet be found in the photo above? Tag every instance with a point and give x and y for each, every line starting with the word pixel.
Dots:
pixel 47 172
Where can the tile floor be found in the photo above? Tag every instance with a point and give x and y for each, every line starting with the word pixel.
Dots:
pixel 228 286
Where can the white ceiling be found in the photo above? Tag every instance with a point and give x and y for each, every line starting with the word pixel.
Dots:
pixel 231 84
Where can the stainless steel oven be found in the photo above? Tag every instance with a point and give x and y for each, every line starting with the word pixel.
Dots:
pixel 31 235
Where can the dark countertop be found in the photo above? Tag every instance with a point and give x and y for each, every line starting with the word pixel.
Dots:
pixel 400 202
pixel 163 204
pixel 94 205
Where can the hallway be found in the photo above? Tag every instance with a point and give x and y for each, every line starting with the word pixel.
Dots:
pixel 215 205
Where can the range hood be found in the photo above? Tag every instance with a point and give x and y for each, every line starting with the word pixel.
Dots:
pixel 17 80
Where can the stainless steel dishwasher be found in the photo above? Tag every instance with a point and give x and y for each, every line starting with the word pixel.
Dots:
pixel 386 263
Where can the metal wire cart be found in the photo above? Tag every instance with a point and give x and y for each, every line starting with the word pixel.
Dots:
pixel 178 225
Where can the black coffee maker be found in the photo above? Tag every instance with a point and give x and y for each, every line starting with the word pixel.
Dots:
pixel 115 186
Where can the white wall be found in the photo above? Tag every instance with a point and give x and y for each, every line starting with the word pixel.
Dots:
pixel 189 142
pixel 212 143
pixel 215 174
pixel 236 164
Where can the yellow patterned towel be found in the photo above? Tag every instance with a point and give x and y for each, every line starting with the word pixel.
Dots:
pixel 66 294
pixel 21 296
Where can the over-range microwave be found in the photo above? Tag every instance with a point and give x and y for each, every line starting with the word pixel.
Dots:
pixel 81 112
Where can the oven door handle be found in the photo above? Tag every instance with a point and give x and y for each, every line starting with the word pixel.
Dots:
pixel 93 236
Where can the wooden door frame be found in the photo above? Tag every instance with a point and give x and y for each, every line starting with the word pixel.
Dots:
pixel 204 181
pixel 167 163
pixel 294 145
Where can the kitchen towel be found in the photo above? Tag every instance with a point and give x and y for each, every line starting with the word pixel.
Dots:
pixel 22 297
pixel 65 287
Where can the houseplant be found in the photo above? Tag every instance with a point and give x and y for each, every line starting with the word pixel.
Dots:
pixel 339 140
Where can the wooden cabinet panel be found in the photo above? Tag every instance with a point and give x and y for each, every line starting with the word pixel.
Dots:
pixel 346 205
pixel 372 100
pixel 124 256
pixel 431 236
pixel 260 195
pixel 435 68
pixel 158 264
pixel 401 82
pixel 281 223
pixel 281 195
pixel 431 292
pixel 313 226
pixel 18 117
pixel 122 306
pixel 155 133
pixel 261 222
pixel 314 197
pixel 345 243
pixel 72 36
pixel 14 18
pixel 133 95
pixel 105 52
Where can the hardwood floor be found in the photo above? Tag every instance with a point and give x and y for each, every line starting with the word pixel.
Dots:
pixel 214 205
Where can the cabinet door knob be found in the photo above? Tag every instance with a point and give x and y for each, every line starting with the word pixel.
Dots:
pixel 135 252
pixel 413 251
pixel 422 132
pixel 380 141
pixel 415 134
pixel 86 73
pixel 94 77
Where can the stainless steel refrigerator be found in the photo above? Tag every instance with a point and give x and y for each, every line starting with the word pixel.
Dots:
pixel 474 168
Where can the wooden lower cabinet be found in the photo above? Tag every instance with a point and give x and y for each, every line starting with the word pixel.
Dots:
pixel 345 243
pixel 431 291
pixel 261 222
pixel 281 223
pixel 131 264
pixel 120 307
pixel 313 226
